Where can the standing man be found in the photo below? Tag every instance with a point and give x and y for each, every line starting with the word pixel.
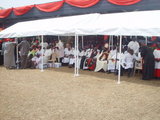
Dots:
pixel 24 49
pixel 157 61
pixel 148 62
pixel 134 45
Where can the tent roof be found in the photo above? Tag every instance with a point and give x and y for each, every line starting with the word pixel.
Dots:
pixel 145 23
pixel 54 26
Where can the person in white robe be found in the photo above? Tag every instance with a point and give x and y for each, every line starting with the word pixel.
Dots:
pixel 45 44
pixel 72 58
pixel 101 63
pixel 60 50
pixel 157 62
pixel 47 55
pixel 36 61
pixel 128 62
pixel 111 62
pixel 68 51
pixel 118 58
pixel 134 45
pixel 88 53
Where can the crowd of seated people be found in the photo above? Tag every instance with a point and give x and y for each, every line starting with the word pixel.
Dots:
pixel 92 57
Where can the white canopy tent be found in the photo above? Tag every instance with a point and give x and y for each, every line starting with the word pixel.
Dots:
pixel 144 23
pixel 54 26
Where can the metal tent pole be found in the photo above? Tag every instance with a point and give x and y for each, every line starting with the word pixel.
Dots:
pixel 112 41
pixel 109 42
pixel 42 37
pixel 77 56
pixel 76 69
pixel 146 40
pixel 58 37
pixel 75 45
pixel 17 53
pixel 119 67
pixel 82 42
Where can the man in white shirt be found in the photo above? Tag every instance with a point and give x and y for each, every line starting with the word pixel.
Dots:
pixel 111 62
pixel 67 53
pixel 128 61
pixel 134 45
pixel 45 44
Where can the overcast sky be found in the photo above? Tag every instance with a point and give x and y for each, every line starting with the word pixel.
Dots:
pixel 18 3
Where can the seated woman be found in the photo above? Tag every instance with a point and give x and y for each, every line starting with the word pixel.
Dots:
pixel 101 63
pixel 91 62
pixel 87 55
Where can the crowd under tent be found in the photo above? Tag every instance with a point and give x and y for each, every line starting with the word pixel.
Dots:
pixel 144 23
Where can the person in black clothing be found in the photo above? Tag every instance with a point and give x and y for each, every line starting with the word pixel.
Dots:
pixel 148 62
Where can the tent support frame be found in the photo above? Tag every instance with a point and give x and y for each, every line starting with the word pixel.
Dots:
pixel 76 66
pixel 119 67
pixel 42 69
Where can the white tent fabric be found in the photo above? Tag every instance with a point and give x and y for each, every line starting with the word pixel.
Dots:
pixel 54 26
pixel 145 23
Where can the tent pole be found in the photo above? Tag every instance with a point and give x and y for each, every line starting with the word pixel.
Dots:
pixel 58 38
pixel 17 53
pixel 112 41
pixel 146 40
pixel 42 37
pixel 82 42
pixel 109 42
pixel 119 67
pixel 75 55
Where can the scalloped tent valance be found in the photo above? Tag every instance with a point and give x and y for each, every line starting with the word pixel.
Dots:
pixel 50 7
pixel 82 3
pixel 5 13
pixel 124 2
pixel 54 6
pixel 22 10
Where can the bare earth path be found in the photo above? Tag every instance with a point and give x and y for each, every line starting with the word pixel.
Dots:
pixel 56 95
